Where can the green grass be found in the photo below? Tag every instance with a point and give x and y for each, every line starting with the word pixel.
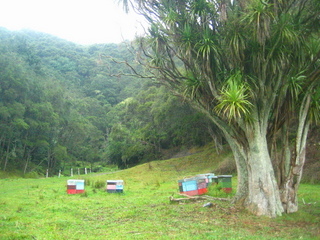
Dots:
pixel 41 209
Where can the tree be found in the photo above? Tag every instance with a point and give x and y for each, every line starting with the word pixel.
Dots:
pixel 252 67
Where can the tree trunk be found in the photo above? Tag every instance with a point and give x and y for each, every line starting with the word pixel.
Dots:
pixel 289 188
pixel 49 159
pixel 27 158
pixel 264 196
pixel 26 164
pixel 7 155
pixel 260 193
pixel 242 173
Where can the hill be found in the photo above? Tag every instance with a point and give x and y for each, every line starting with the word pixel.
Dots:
pixel 62 104
pixel 54 97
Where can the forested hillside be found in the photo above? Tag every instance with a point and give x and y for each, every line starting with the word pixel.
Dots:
pixel 63 104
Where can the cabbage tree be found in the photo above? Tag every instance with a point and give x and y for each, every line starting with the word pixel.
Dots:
pixel 252 66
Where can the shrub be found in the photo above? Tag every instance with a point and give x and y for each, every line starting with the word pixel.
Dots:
pixel 99 184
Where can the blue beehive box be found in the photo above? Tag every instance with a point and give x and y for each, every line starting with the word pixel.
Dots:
pixel 193 186
pixel 189 184
pixel 80 185
pixel 197 185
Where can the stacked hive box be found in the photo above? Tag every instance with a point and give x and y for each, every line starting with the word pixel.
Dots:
pixel 199 185
pixel 210 178
pixel 75 186
pixel 114 186
pixel 194 186
pixel 225 182
pixel 202 183
pixel 188 186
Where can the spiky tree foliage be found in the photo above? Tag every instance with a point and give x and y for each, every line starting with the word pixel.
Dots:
pixel 253 67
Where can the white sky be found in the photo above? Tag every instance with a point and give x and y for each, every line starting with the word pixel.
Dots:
pixel 79 21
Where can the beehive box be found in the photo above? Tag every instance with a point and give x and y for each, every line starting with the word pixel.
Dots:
pixel 115 186
pixel 210 178
pixel 75 186
pixel 188 186
pixel 193 186
pixel 202 183
pixel 225 181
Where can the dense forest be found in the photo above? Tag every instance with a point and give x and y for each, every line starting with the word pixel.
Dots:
pixel 64 105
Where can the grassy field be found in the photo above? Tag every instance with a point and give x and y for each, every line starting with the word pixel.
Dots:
pixel 41 209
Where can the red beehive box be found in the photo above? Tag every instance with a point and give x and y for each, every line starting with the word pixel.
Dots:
pixel 75 186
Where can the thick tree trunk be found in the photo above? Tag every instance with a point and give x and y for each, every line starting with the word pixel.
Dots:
pixel 258 191
pixel 263 197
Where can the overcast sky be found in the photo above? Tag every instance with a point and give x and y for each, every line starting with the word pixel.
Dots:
pixel 79 21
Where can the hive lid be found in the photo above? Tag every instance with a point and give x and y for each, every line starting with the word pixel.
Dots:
pixel 74 181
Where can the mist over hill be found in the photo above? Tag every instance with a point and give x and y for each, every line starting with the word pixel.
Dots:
pixel 63 104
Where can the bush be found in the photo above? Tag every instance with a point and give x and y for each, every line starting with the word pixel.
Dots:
pixel 99 184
